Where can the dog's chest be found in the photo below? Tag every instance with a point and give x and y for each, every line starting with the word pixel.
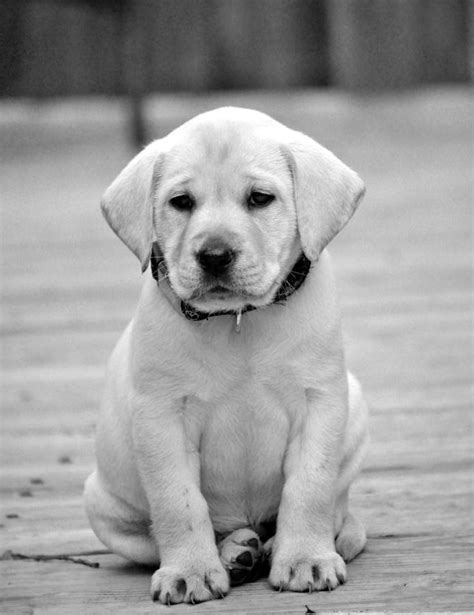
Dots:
pixel 242 449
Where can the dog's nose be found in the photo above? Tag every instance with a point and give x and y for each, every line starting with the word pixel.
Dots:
pixel 215 257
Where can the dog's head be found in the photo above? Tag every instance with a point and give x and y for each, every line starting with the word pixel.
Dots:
pixel 232 197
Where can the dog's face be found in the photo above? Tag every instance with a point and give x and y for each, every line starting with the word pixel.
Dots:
pixel 225 217
pixel 232 197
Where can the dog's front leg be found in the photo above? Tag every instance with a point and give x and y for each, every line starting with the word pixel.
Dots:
pixel 190 568
pixel 303 553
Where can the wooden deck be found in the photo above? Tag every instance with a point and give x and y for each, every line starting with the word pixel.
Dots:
pixel 404 270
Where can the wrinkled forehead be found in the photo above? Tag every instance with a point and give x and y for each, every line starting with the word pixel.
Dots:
pixel 225 153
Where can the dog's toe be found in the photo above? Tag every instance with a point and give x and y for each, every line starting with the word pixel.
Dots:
pixel 170 585
pixel 309 574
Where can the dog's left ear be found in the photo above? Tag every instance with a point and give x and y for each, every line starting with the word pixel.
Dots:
pixel 127 203
pixel 326 192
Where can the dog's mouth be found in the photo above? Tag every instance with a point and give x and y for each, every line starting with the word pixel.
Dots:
pixel 231 292
pixel 219 290
pixel 218 297
pixel 216 292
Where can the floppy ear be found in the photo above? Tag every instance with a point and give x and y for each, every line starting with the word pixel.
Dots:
pixel 326 192
pixel 127 203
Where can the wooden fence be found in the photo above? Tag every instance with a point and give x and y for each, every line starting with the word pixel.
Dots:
pixel 71 47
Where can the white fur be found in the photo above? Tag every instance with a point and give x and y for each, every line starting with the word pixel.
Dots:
pixel 204 428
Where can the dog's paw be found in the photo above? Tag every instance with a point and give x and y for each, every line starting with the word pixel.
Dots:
pixel 241 555
pixel 307 574
pixel 172 585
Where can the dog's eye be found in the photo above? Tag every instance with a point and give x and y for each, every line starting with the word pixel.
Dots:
pixel 259 199
pixel 182 202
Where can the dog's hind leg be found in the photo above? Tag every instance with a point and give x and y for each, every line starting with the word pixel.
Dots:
pixel 118 525
pixel 351 539
pixel 349 531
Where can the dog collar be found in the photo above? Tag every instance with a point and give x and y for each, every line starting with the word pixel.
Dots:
pixel 159 271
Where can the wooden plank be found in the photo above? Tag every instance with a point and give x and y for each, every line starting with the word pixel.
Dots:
pixel 120 586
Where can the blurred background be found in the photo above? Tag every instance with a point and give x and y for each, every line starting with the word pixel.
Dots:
pixel 77 47
pixel 64 48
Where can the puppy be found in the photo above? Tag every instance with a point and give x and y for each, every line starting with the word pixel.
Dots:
pixel 228 412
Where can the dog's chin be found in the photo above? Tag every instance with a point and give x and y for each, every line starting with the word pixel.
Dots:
pixel 220 299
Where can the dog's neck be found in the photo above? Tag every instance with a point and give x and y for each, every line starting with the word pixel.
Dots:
pixel 159 270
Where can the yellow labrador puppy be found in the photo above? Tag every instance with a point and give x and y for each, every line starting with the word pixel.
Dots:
pixel 228 413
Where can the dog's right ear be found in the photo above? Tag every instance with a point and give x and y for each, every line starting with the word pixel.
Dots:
pixel 127 203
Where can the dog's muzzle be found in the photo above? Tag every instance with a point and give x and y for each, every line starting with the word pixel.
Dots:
pixel 293 281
